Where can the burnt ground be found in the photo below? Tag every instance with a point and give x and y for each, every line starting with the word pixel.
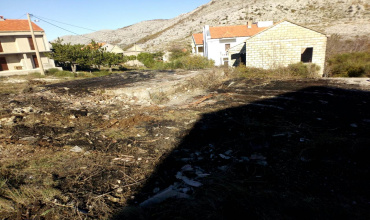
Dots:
pixel 259 149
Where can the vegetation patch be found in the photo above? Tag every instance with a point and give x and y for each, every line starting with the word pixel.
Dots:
pixel 355 64
pixel 296 70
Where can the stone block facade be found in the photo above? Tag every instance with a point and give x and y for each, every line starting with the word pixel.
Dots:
pixel 284 44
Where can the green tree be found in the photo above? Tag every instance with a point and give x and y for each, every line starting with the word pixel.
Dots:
pixel 111 59
pixel 70 55
pixel 150 59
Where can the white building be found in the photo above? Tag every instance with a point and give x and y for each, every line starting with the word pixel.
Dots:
pixel 112 48
pixel 214 42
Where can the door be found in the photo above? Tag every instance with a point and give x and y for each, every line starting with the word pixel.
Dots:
pixel 3 64
pixel 35 61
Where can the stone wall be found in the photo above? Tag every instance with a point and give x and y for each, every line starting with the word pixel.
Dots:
pixel 283 44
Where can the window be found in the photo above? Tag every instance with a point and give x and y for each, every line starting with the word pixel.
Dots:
pixel 227 46
pixel 306 55
pixel 1 48
pixel 30 41
pixel 200 50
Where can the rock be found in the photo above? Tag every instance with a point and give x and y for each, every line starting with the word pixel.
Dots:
pixel 187 180
pixel 28 139
pixel 76 149
pixel 7 121
pixel 87 153
pixel 170 192
pixel 224 157
pixel 113 199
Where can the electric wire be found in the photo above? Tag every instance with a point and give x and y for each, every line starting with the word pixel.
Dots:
pixel 21 16
pixel 67 24
pixel 61 27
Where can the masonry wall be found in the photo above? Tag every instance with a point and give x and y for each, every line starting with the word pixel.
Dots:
pixel 283 44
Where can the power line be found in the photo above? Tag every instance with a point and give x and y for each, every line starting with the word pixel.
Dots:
pixel 61 27
pixel 67 24
pixel 21 16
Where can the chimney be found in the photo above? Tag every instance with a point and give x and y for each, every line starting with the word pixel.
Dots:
pixel 2 18
pixel 249 24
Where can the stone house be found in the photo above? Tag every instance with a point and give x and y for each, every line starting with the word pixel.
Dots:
pixel 280 45
pixel 214 42
pixel 17 51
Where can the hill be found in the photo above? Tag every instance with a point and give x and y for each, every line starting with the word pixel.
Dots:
pixel 344 17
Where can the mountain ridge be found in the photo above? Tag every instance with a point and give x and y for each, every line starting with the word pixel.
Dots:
pixel 349 18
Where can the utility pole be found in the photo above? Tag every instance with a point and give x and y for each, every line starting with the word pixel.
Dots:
pixel 36 47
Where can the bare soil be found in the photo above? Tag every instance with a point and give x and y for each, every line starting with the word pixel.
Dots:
pixel 97 148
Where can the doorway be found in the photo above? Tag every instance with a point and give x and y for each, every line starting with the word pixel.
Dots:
pixel 35 61
pixel 3 64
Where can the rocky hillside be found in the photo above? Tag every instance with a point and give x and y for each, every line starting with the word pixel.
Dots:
pixel 349 18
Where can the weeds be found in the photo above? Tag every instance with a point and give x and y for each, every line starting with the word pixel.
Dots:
pixel 296 70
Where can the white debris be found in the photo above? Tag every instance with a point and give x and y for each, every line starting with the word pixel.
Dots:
pixel 76 149
pixel 228 152
pixel 187 180
pixel 187 168
pixel 224 157
pixel 170 192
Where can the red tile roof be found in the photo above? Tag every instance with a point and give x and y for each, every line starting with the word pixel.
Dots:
pixel 17 25
pixel 198 38
pixel 229 32
pixel 234 31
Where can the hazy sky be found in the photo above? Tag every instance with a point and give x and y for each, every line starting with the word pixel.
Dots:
pixel 93 14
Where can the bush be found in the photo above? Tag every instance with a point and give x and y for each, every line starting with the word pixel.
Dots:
pixel 177 53
pixel 194 62
pixel 303 70
pixel 150 59
pixel 189 62
pixel 350 65
pixel 296 70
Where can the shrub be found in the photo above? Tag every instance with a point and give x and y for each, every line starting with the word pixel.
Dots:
pixel 194 62
pixel 188 62
pixel 303 70
pixel 295 70
pixel 355 64
pixel 177 53
pixel 150 59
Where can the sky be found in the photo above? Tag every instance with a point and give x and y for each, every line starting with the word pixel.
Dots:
pixel 92 14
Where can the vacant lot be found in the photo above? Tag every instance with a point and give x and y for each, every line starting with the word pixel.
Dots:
pixel 165 145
